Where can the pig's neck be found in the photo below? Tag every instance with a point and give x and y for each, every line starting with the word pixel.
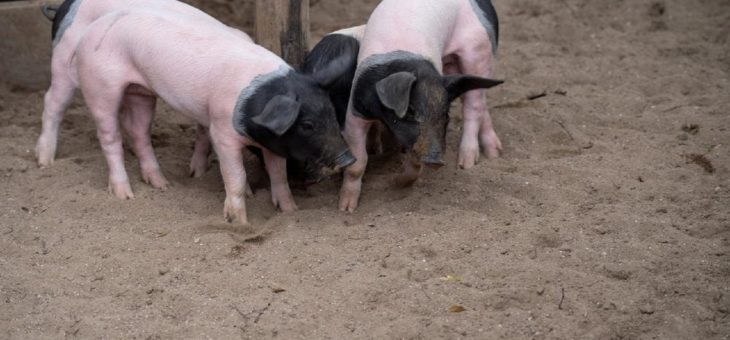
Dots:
pixel 246 102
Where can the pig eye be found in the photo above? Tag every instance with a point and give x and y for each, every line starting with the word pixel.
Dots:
pixel 307 126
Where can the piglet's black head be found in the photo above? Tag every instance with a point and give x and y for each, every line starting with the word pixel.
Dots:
pixel 292 116
pixel 410 97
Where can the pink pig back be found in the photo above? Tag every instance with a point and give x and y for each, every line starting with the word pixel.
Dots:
pixel 432 28
pixel 198 68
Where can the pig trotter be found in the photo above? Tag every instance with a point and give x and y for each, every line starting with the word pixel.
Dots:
pixel 349 195
pixel 234 210
pixel 491 145
pixel 121 189
pixel 44 152
pixel 155 178
pixel 283 201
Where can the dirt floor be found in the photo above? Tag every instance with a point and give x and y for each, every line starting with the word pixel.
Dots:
pixel 607 217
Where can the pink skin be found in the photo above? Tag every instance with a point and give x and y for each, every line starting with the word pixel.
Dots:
pixel 447 32
pixel 60 94
pixel 123 59
pixel 355 133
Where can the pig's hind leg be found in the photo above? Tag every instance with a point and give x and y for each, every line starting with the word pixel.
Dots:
pixel 478 129
pixel 199 161
pixel 104 102
pixel 136 116
pixel 55 102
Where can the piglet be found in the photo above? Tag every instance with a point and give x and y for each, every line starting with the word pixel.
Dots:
pixel 217 76
pixel 407 47
pixel 70 21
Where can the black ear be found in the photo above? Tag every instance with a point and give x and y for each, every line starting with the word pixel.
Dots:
pixel 337 68
pixel 279 114
pixel 332 58
pixel 394 91
pixel 458 84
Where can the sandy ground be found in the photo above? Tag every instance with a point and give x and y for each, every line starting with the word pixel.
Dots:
pixel 606 218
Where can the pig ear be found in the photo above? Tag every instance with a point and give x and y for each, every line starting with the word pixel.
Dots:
pixel 333 58
pixel 335 69
pixel 279 114
pixel 458 84
pixel 394 91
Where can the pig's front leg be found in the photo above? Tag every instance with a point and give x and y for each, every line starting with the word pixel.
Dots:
pixel 199 161
pixel 201 152
pixel 478 129
pixel 356 132
pixel 136 116
pixel 281 195
pixel 229 149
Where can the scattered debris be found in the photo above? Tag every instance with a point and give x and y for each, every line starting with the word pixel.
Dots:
pixel 562 298
pixel 647 309
pixel 452 278
pixel 657 9
pixel 278 290
pixel 692 129
pixel 260 238
pixel 561 92
pixel 457 309
pixel 536 95
pixel 702 161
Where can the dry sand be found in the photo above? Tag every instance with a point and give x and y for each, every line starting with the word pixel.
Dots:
pixel 606 217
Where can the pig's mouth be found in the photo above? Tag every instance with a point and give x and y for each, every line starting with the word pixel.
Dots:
pixel 320 170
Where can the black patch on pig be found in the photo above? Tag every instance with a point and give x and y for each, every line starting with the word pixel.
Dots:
pixel 314 136
pixel 60 14
pixel 427 103
pixel 491 14
pixel 427 95
pixel 330 48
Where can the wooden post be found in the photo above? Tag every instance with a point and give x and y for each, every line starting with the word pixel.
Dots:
pixel 282 26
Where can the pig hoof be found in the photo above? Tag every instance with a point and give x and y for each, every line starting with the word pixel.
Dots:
pixel 45 158
pixel 156 180
pixel 468 158
pixel 348 202
pixel 286 207
pixel 235 211
pixel 121 190
pixel 232 219
pixel 197 171
pixel 491 145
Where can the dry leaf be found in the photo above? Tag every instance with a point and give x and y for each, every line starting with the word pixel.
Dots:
pixel 456 309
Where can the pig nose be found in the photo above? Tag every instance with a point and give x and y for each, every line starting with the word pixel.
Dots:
pixel 433 162
pixel 344 160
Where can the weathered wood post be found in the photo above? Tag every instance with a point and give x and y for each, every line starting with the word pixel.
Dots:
pixel 282 26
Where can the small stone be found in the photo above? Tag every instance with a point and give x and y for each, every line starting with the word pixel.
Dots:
pixel 646 309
